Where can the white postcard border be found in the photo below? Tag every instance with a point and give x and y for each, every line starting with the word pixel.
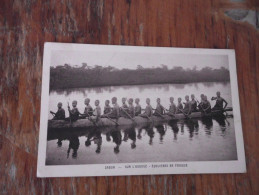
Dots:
pixel 149 168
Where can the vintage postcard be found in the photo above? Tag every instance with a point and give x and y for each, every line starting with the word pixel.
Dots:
pixel 127 110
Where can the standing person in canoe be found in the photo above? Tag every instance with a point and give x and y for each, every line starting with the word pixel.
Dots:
pixel 131 109
pixel 88 108
pixel 115 112
pixel 193 104
pixel 188 106
pixel 219 102
pixel 137 107
pixel 206 107
pixel 148 110
pixel 179 107
pixel 160 110
pixel 96 112
pixel 107 107
pixel 60 114
pixel 172 108
pixel 73 113
pixel 124 108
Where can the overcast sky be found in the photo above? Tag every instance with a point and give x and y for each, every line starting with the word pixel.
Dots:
pixel 132 59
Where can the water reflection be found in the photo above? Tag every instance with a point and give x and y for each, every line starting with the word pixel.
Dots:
pixel 132 137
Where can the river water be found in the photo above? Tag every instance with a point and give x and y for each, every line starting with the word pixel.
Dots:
pixel 182 140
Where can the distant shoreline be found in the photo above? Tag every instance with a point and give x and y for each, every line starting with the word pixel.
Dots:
pixel 65 77
pixel 55 89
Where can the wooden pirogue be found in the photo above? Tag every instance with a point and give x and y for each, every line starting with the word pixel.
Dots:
pixel 83 123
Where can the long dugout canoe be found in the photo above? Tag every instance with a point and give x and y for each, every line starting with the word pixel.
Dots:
pixel 84 123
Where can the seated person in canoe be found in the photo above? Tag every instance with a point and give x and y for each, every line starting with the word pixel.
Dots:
pixel 115 112
pixel 107 107
pixel 137 107
pixel 179 107
pixel 201 103
pixel 193 104
pixel 60 114
pixel 73 113
pixel 172 108
pixel 124 108
pixel 205 107
pixel 160 110
pixel 219 102
pixel 96 112
pixel 131 109
pixel 187 106
pixel 148 110
pixel 88 108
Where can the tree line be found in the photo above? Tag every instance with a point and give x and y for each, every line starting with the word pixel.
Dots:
pixel 66 76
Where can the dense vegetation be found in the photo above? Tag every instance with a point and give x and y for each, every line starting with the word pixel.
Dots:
pixel 86 76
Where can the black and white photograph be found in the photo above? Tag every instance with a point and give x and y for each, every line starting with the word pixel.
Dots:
pixel 127 110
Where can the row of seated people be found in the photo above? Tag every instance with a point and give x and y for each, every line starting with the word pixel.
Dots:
pixel 130 111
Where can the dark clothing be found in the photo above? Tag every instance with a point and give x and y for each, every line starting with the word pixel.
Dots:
pixel 205 107
pixel 179 107
pixel 59 115
pixel 88 111
pixel 107 109
pixel 159 110
pixel 219 104
pixel 193 106
pixel 73 114
pixel 137 110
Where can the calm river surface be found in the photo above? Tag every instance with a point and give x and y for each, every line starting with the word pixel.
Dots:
pixel 182 140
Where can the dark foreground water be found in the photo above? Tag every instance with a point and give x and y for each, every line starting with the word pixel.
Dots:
pixel 183 140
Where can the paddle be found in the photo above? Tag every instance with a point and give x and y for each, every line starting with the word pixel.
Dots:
pixel 186 115
pixel 90 119
pixel 69 112
pixel 128 115
pixel 53 113
pixel 170 113
pixel 112 120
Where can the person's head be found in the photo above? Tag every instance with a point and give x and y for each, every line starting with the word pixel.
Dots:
pixel 205 98
pixel 59 105
pixel 87 101
pixel 107 102
pixel 74 103
pixel 202 96
pixel 114 100
pixel 218 94
pixel 148 101
pixel 158 100
pixel 123 100
pixel 171 99
pixel 137 100
pixel 59 143
pixel 108 138
pixel 87 143
pixel 116 149
pixel 130 101
pixel 192 96
pixel 98 150
pixel 179 100
pixel 133 145
pixel 187 98
pixel 97 102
